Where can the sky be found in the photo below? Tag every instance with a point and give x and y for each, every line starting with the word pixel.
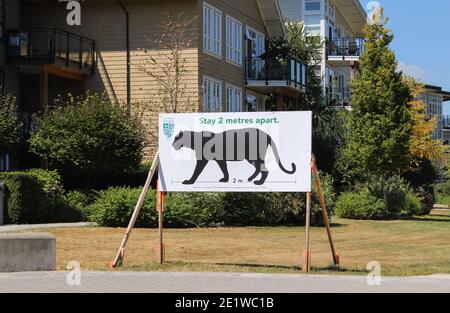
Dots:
pixel 422 39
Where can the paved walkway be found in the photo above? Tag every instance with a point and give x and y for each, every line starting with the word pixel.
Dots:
pixel 212 282
pixel 20 228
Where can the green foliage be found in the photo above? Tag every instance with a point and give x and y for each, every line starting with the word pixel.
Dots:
pixel 10 126
pixel 114 207
pixel 379 125
pixel 298 44
pixel 50 181
pixel 413 205
pixel 328 131
pixel 402 201
pixel 361 205
pixel 442 192
pixel 80 201
pixel 396 189
pixel 36 197
pixel 89 134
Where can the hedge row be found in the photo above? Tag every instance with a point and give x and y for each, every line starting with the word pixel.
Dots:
pixel 36 196
pixel 114 207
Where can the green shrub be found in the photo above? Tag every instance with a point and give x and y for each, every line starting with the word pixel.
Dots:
pixel 25 200
pixel 427 198
pixel 36 196
pixel 397 190
pixel 361 205
pixel 50 181
pixel 91 137
pixel 9 124
pixel 442 193
pixel 80 201
pixel 402 200
pixel 193 209
pixel 413 205
pixel 114 207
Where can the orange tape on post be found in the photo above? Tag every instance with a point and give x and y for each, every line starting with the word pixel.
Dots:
pixel 162 195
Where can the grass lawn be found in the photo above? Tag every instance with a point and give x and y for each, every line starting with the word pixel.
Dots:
pixel 406 247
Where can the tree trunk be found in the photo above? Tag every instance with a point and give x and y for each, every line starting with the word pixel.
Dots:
pixel 385 193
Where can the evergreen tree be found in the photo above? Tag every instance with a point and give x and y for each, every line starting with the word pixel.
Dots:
pixel 379 126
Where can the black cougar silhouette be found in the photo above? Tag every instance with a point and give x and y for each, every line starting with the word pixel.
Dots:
pixel 249 144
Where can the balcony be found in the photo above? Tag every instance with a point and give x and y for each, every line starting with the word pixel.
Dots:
pixel 339 97
pixel 60 50
pixel 344 50
pixel 276 74
pixel 446 122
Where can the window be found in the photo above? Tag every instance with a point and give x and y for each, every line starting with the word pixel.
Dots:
pixel 212 95
pixel 258 42
pixel 4 162
pixel 312 23
pixel 312 5
pixel 234 40
pixel 212 30
pixel 234 99
pixel 255 104
pixel 2 19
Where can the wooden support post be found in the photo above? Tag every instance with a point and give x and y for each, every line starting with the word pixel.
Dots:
pixel 160 208
pixel 324 211
pixel 307 264
pixel 117 262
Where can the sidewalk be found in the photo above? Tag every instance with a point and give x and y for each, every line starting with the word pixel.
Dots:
pixel 21 228
pixel 159 282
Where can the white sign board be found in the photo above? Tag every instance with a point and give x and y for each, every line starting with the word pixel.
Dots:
pixel 235 152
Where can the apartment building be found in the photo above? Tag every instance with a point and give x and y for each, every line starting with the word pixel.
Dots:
pixel 339 23
pixel 434 98
pixel 43 57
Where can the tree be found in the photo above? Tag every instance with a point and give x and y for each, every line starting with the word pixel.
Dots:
pixel 10 126
pixel 90 136
pixel 327 123
pixel 379 126
pixel 423 146
pixel 167 67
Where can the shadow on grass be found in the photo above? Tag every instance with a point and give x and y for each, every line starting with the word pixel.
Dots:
pixel 281 267
pixel 274 267
pixel 213 267
pixel 433 218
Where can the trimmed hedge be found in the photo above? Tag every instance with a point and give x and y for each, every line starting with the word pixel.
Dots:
pixel 36 197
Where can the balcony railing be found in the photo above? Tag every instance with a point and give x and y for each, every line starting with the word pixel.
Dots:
pixel 345 47
pixel 51 46
pixel 284 71
pixel 339 96
pixel 446 122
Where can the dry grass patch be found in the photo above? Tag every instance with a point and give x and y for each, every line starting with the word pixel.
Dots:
pixel 406 247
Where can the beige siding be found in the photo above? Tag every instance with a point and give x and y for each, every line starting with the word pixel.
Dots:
pixel 248 13
pixel 105 23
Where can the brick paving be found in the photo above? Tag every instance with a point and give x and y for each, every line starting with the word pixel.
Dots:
pixel 158 282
